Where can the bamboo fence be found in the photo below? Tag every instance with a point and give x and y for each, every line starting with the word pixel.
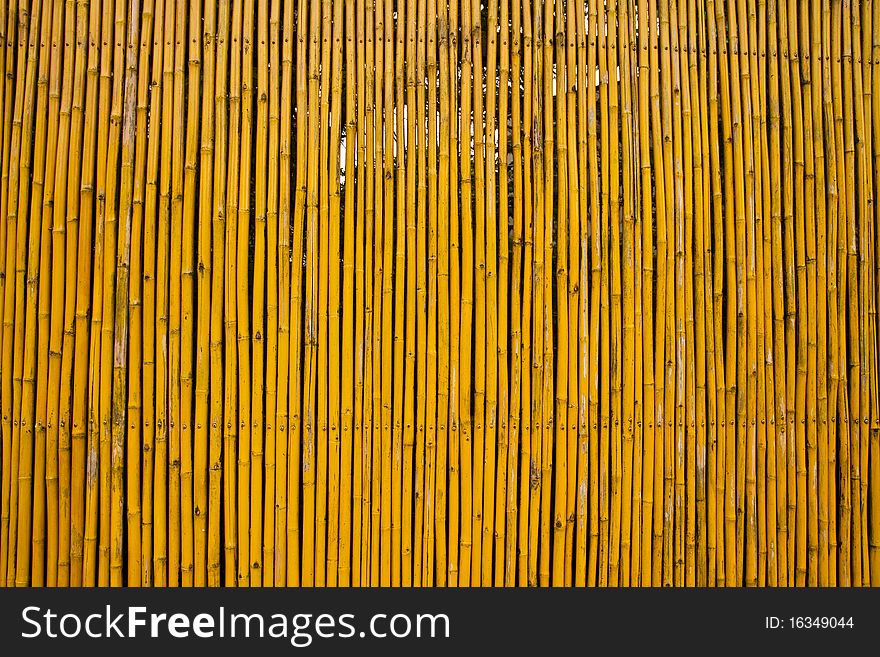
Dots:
pixel 478 293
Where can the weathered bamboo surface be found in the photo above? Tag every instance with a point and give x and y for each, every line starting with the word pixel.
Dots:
pixel 429 293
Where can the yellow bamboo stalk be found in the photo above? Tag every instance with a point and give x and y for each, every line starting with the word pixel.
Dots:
pixel 560 484
pixel 110 539
pixel 88 558
pixel 478 404
pixel 369 298
pixel 697 91
pixel 435 445
pixel 627 258
pixel 596 265
pixel 30 550
pixel 333 293
pixel 126 347
pixel 544 189
pixel 361 299
pixel 311 328
pixel 442 347
pixel 260 299
pixel 611 220
pixel 505 435
pixel 7 241
pixel 148 327
pixel 164 502
pixel 850 276
pixel 493 360
pixel 400 276
pixel 349 309
pixel 191 481
pixel 516 293
pixel 224 274
pixel 294 450
pixel 675 443
pixel 377 289
pixel 822 356
pixel 58 454
pixel 274 268
pixel 717 478
pixel 382 392
pixel 755 554
pixel 321 292
pixel 249 438
pixel 837 238
pixel 631 517
pixel 642 575
pixel 179 476
pixel 767 429
pixel 445 402
pixel 207 430
pixel 416 312
pixel 810 458
pixel 70 539
pixel 575 185
pixel 466 298
pixel 284 307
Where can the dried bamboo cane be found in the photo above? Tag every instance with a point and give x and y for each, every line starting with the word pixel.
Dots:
pixel 250 451
pixel 347 548
pixel 283 407
pixel 260 299
pixel 209 398
pixel 274 268
pixel 8 240
pixel 70 539
pixel 30 551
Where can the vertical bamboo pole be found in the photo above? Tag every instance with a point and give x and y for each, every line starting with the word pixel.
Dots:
pixel 110 544
pixel 193 456
pixel 283 408
pixel 8 240
pixel 274 268
pixel 123 369
pixel 180 321
pixel 517 291
pixel 260 298
pixel 648 268
pixel 209 399
pixel 467 296
pixel 503 293
pixel 421 523
pixel 447 204
pixel 493 360
pixel 222 338
pixel 230 338
pixel 822 357
pixel 349 355
pixel 546 419
pixel 400 276
pixel 321 292
pixel 30 551
pixel 70 539
pixel 560 438
pixel 435 446
pixel 596 260
pixel 333 302
pixel 295 475
pixel 250 452
pixel 89 557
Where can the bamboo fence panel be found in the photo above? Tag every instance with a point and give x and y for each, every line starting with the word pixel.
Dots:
pixel 439 293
